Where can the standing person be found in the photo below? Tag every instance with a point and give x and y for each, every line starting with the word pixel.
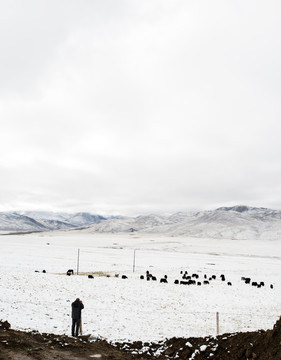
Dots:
pixel 77 307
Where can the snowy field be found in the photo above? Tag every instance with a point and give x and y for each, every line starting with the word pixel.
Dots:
pixel 134 309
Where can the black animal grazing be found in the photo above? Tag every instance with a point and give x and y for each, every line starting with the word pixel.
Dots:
pixel 124 277
pixel 198 283
pixel 176 282
pixel 90 277
pixel 206 282
pixel 229 283
pixel 163 280
pixel 271 286
pixel 247 280
pixel 70 272
pixel 141 277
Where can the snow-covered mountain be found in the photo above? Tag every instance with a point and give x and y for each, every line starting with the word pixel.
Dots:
pixel 83 218
pixel 237 222
pixel 16 222
pixel 44 220
pixel 77 219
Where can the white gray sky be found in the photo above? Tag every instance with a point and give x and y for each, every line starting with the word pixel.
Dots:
pixel 114 106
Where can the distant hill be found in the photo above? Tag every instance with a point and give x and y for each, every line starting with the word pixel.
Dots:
pixel 44 220
pixel 237 222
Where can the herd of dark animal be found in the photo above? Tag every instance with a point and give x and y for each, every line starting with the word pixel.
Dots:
pixel 186 279
pixel 248 280
pixel 193 279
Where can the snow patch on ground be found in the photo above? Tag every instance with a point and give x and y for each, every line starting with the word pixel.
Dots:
pixel 134 309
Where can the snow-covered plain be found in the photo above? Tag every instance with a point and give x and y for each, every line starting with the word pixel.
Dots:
pixel 134 309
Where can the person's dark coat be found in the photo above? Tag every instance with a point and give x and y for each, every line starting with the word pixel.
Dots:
pixel 77 306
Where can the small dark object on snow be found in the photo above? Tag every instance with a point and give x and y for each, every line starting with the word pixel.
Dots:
pixel 124 277
pixel 5 325
pixel 90 277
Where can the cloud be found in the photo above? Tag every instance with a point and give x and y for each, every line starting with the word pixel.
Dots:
pixel 129 106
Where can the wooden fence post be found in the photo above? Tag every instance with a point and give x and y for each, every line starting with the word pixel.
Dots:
pixel 78 258
pixel 217 322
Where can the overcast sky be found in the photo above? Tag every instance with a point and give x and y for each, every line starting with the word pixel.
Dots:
pixel 114 106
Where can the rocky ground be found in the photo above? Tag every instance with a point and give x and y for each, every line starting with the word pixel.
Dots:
pixel 260 345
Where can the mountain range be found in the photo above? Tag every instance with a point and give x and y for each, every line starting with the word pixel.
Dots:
pixel 26 221
pixel 237 222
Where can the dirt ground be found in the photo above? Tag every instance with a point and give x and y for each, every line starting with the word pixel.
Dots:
pixel 260 345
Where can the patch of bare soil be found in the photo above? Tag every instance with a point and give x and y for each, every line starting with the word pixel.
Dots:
pixel 260 345
pixel 19 345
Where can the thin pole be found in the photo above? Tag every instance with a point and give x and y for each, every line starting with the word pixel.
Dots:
pixel 217 321
pixel 78 256
pixel 80 327
pixel 134 262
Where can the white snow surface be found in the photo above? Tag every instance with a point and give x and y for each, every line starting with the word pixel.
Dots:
pixel 133 309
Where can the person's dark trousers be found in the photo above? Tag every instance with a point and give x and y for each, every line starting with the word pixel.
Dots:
pixel 75 327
